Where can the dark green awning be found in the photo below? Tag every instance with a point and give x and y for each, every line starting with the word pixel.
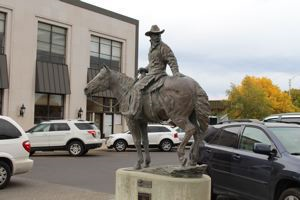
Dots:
pixel 3 72
pixel 52 78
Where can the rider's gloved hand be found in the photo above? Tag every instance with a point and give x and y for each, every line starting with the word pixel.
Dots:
pixel 142 70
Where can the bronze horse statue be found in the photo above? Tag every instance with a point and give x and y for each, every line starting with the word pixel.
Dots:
pixel 180 100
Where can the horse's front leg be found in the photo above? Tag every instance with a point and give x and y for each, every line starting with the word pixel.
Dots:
pixel 136 136
pixel 145 140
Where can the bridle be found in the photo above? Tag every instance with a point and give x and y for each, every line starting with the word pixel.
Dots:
pixel 89 97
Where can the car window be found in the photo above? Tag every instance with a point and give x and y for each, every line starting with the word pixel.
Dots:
pixel 253 135
pixel 59 127
pixel 94 126
pixel 227 136
pixel 8 130
pixel 86 126
pixel 212 135
pixel 157 129
pixel 289 137
pixel 291 119
pixel 271 120
pixel 179 130
pixel 40 128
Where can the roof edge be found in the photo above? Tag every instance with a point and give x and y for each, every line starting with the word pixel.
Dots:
pixel 102 11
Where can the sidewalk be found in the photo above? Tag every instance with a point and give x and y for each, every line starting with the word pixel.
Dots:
pixel 26 189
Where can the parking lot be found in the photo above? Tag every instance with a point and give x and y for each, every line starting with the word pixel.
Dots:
pixel 56 175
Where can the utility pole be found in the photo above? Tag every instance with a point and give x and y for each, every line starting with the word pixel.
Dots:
pixel 290 84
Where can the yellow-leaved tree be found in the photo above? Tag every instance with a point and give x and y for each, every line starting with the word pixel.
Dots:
pixel 257 98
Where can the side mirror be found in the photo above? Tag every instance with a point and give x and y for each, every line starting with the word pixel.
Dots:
pixel 264 149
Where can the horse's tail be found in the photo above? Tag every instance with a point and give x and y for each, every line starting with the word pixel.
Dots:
pixel 202 107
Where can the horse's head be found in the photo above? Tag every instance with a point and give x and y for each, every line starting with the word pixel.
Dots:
pixel 99 83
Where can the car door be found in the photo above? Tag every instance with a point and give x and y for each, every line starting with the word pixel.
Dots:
pixel 221 149
pixel 251 172
pixel 39 135
pixel 59 134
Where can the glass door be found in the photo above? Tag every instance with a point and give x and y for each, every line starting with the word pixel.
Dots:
pixel 107 124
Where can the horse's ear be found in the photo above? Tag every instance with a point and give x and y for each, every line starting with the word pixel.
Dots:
pixel 106 67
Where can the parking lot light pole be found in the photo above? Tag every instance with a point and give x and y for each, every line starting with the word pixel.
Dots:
pixel 290 84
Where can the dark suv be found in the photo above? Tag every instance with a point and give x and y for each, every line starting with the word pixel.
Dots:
pixel 253 161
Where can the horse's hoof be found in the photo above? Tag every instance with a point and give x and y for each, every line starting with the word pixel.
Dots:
pixel 147 165
pixel 137 167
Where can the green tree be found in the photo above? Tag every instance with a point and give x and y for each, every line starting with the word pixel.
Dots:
pixel 257 98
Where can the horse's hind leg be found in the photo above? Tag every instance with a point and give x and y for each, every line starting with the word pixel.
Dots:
pixel 136 136
pixel 199 136
pixel 198 140
pixel 145 140
pixel 189 129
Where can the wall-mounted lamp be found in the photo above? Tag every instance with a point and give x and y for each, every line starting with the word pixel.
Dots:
pixel 80 112
pixel 22 110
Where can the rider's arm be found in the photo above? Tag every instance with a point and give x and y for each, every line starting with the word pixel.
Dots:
pixel 170 58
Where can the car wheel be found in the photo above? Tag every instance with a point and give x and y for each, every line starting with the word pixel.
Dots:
pixel 120 145
pixel 76 148
pixel 290 194
pixel 5 174
pixel 166 145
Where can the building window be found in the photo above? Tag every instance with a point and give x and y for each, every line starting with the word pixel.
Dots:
pixel 2 32
pixel 104 51
pixel 94 104
pixel 48 107
pixel 111 105
pixel 107 105
pixel 102 105
pixel 1 100
pixel 51 45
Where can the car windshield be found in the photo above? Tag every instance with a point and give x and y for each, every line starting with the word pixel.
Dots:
pixel 289 137
pixel 39 128
pixel 86 126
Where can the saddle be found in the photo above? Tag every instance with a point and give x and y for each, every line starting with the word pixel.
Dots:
pixel 132 102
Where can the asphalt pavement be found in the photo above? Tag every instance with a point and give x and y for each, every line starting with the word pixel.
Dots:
pixel 56 175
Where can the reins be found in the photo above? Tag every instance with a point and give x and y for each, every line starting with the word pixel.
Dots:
pixel 119 99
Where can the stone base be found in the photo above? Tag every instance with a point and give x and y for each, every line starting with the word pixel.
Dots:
pixel 139 185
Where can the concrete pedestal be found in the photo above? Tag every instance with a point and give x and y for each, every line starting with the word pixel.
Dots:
pixel 139 185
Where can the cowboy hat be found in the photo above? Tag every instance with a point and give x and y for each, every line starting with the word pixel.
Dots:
pixel 154 30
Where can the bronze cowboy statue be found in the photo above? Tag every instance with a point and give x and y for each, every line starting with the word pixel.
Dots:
pixel 153 76
pixel 157 97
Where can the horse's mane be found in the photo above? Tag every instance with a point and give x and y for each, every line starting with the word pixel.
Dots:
pixel 124 80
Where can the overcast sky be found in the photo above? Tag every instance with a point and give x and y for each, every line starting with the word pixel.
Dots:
pixel 219 42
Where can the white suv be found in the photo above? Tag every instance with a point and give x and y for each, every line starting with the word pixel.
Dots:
pixel 75 136
pixel 162 136
pixel 14 150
